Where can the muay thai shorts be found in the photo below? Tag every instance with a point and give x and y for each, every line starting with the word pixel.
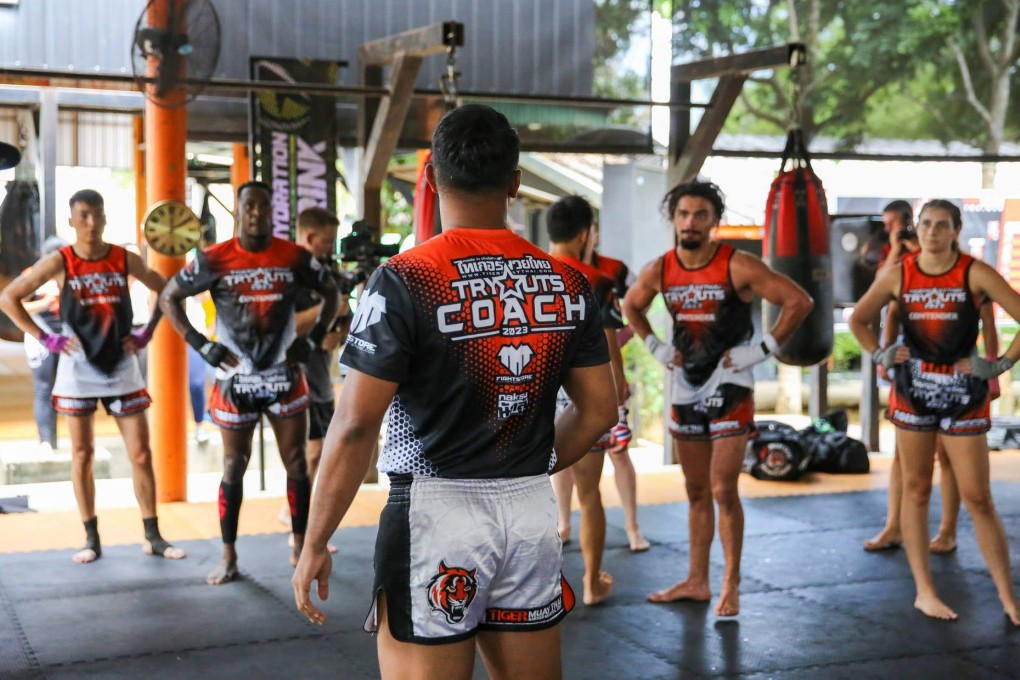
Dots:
pixel 728 412
pixel 929 397
pixel 238 401
pixel 454 556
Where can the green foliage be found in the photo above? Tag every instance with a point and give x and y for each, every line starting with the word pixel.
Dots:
pixel 846 352
pixel 616 21
pixel 647 379
pixel 397 213
pixel 882 68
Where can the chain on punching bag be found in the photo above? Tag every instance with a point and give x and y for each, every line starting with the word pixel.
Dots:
pixel 797 245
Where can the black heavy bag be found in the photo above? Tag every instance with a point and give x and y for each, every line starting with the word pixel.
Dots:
pixel 776 454
pixel 797 245
pixel 19 240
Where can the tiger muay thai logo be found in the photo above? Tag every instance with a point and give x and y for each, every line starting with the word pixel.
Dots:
pixel 451 591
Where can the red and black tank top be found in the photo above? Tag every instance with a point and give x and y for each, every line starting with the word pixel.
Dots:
pixel 708 315
pixel 604 289
pixel 938 312
pixel 615 270
pixel 95 304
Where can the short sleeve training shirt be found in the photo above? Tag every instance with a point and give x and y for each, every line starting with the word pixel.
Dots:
pixel 255 295
pixel 479 328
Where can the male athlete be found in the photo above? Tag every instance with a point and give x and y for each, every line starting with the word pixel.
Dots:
pixel 99 361
pixel 254 279
pixel 623 467
pixel 708 288
pixel 316 233
pixel 465 340
pixel 568 221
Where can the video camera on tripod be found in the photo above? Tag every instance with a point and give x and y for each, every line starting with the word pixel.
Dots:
pixel 360 247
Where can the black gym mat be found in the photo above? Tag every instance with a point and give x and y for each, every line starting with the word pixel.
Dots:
pixel 813 605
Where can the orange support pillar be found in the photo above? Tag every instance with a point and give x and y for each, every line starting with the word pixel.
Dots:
pixel 240 171
pixel 166 172
pixel 140 203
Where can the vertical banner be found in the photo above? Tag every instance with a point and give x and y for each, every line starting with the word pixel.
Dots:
pixel 294 139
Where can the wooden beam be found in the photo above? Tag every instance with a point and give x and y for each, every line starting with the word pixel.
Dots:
pixel 417 42
pixel 389 122
pixel 790 54
pixel 693 154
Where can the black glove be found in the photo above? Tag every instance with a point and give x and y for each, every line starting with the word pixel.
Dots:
pixel 301 349
pixel 213 352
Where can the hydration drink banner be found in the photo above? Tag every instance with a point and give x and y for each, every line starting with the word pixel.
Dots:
pixel 293 137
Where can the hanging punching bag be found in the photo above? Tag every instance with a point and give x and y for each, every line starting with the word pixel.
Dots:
pixel 797 245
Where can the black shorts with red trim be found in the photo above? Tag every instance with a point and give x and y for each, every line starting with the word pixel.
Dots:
pixel 928 397
pixel 239 401
pixel 118 406
pixel 729 412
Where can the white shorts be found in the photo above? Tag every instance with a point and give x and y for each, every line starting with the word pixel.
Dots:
pixel 76 377
pixel 458 555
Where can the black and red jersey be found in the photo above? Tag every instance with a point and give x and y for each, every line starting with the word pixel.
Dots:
pixel 939 314
pixel 255 295
pixel 708 315
pixel 479 328
pixel 604 290
pixel 616 270
pixel 95 304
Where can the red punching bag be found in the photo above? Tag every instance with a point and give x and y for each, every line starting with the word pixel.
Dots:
pixel 797 245
pixel 424 203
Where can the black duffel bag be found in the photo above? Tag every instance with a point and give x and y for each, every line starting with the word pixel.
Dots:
pixel 776 454
pixel 830 450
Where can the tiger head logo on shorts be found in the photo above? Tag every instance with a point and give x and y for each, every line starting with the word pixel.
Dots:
pixel 451 591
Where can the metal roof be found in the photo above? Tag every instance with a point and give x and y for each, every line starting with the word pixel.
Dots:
pixel 524 46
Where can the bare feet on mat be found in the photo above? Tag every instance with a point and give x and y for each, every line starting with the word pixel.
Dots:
pixel 728 603
pixel 163 549
pixel 942 544
pixel 637 541
pixel 935 608
pixel 683 591
pixel 596 592
pixel 884 540
pixel 84 556
pixel 225 572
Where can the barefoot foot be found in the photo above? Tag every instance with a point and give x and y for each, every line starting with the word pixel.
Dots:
pixel 637 541
pixel 728 603
pixel 1013 614
pixel 685 590
pixel 225 572
pixel 84 556
pixel 886 539
pixel 942 544
pixel 935 608
pixel 163 549
pixel 596 592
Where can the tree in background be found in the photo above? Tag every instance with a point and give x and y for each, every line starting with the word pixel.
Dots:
pixel 980 42
pixel 884 68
